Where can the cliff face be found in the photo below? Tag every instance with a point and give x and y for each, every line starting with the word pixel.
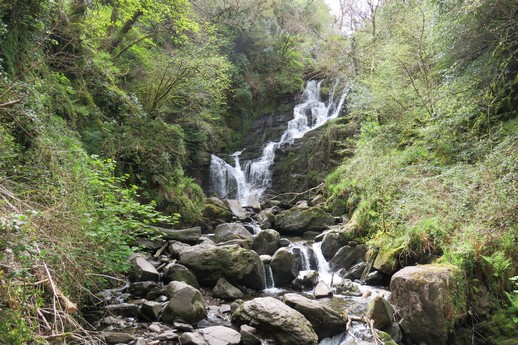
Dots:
pixel 306 162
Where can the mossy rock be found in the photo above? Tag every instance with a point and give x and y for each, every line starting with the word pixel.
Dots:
pixel 387 260
pixel 297 220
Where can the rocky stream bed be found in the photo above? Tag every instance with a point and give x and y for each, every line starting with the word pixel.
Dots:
pixel 276 274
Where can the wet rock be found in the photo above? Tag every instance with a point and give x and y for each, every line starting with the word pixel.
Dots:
pixel 305 280
pixel 331 244
pixel 123 309
pixel 266 218
pixel 209 263
pixel 140 289
pixel 380 311
pixel 376 278
pixel 186 303
pixel 226 291
pixel 155 327
pixel 216 212
pixel 150 310
pixel 266 242
pixel 282 265
pixel 284 242
pixel 141 341
pixel 248 335
pixel 297 220
pixel 142 270
pixel 347 256
pixel 256 279
pixel 428 299
pixel 325 321
pixel 236 209
pixel 118 337
pixel 348 288
pixel 354 272
pixel 177 272
pixel 286 325
pixel 322 290
pixel 232 231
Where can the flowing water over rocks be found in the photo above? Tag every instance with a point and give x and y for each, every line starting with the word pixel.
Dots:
pixel 247 181
pixel 218 290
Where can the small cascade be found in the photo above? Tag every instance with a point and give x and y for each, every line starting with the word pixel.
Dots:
pixel 324 271
pixel 270 283
pixel 248 181
pixel 306 258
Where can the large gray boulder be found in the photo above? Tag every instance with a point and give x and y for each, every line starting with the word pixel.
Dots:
pixel 331 243
pixel 186 303
pixel 283 267
pixel 232 231
pixel 380 311
pixel 209 262
pixel 236 209
pixel 142 270
pixel 226 291
pixel 216 335
pixel 174 271
pixel 428 300
pixel 266 242
pixel 347 256
pixel 298 220
pixel 325 321
pixel 284 324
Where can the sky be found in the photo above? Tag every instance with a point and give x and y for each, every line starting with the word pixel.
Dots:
pixel 334 4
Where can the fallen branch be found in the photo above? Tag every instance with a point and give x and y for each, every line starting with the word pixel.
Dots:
pixel 43 270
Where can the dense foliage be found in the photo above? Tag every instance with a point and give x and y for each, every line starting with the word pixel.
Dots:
pixel 107 109
pixel 435 175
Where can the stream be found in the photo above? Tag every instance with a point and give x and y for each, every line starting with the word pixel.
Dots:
pixel 139 312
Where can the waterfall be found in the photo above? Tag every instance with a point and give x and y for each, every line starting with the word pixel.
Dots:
pixel 249 181
pixel 324 271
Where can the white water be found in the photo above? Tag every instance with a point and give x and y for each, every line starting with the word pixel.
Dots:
pixel 248 181
pixel 324 271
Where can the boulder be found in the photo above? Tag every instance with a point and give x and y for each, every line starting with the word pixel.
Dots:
pixel 325 321
pixel 236 209
pixel 209 262
pixel 216 211
pixel 331 244
pixel 348 288
pixel 354 272
pixel 256 279
pixel 284 324
pixel 347 256
pixel 232 231
pixel 298 220
pixel 226 291
pixel 266 242
pixel 150 310
pixel 140 289
pixel 305 280
pixel 142 270
pixel 248 335
pixel 282 265
pixel 216 335
pixel 428 300
pixel 186 303
pixel 322 290
pixel 180 273
pixel 380 311
pixel 266 218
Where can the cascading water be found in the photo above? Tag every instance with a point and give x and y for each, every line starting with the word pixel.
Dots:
pixel 248 181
